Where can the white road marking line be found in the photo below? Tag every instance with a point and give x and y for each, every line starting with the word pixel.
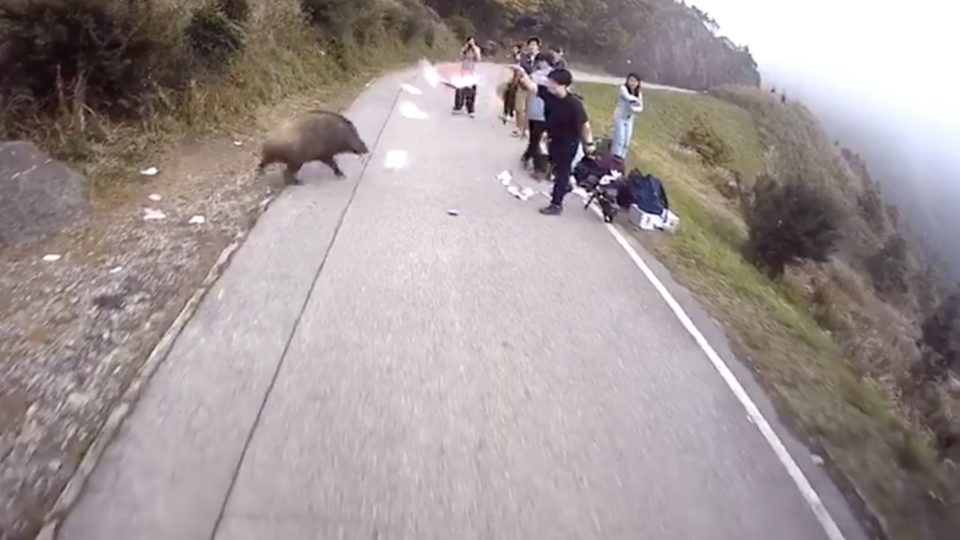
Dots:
pixel 753 412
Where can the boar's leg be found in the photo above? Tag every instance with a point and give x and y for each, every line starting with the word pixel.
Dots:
pixel 290 174
pixel 332 163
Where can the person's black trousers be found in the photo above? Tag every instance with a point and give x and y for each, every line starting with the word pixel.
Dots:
pixel 465 96
pixel 533 152
pixel 561 156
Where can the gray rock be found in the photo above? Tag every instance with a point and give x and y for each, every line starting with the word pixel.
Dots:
pixel 39 196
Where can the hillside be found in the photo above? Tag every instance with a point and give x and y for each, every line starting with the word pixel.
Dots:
pixel 668 42
pixel 832 341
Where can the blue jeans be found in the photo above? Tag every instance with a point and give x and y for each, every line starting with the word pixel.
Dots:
pixel 622 132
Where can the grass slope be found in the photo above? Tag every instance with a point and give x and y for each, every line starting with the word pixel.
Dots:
pixel 771 324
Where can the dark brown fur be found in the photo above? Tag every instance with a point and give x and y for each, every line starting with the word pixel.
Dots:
pixel 317 135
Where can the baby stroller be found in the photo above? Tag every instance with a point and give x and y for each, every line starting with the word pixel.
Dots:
pixel 601 176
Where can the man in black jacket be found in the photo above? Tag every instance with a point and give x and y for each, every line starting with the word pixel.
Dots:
pixel 567 126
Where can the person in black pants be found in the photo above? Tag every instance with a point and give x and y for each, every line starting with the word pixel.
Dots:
pixel 567 126
pixel 465 97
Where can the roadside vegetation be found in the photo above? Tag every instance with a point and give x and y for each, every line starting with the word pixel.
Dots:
pixel 100 82
pixel 785 238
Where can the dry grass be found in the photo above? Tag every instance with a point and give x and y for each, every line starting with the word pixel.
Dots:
pixel 829 352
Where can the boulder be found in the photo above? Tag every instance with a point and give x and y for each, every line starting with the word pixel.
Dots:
pixel 39 196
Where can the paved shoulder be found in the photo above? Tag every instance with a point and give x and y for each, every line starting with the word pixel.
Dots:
pixel 371 366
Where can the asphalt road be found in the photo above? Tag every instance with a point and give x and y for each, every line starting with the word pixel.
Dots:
pixel 370 366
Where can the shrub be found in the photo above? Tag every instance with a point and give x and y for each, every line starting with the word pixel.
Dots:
pixel 340 15
pixel 789 223
pixel 89 54
pixel 462 27
pixel 872 208
pixel 214 39
pixel 703 139
pixel 941 336
pixel 237 11
pixel 889 268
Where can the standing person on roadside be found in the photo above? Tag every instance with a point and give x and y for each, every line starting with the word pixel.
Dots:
pixel 467 95
pixel 523 96
pixel 567 126
pixel 561 61
pixel 545 63
pixel 629 103
pixel 510 93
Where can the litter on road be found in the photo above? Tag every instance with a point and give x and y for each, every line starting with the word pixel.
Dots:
pixel 396 160
pixel 150 171
pixel 430 73
pixel 116 270
pixel 410 110
pixel 154 197
pixel 149 214
pixel 197 220
pixel 505 178
pixel 52 257
pixel 453 212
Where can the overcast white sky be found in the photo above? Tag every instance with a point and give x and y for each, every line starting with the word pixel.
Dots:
pixel 896 59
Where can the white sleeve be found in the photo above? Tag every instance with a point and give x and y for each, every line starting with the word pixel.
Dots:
pixel 638 103
pixel 625 95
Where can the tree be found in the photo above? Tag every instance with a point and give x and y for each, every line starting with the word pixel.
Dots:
pixel 789 223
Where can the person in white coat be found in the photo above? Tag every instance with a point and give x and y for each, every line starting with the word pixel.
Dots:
pixel 629 103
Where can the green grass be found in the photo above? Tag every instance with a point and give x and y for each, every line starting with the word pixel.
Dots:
pixel 769 323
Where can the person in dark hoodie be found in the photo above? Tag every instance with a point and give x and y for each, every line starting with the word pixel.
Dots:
pixel 567 126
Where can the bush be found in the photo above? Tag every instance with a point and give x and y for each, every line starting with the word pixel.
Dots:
pixel 703 139
pixel 941 336
pixel 871 206
pixel 337 15
pixel 237 11
pixel 462 27
pixel 789 223
pixel 214 39
pixel 79 54
pixel 889 268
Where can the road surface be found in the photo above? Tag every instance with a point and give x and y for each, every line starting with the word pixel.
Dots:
pixel 370 366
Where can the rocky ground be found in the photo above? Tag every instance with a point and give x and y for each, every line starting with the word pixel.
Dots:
pixel 75 331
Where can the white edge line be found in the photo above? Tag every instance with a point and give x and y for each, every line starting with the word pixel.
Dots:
pixel 753 412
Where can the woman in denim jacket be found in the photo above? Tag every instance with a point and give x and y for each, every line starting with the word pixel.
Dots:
pixel 629 102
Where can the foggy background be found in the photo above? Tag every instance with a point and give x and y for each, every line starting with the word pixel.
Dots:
pixel 883 78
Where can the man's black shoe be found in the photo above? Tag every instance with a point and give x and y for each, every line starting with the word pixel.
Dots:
pixel 552 210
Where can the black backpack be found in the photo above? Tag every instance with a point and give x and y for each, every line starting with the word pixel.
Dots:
pixel 644 190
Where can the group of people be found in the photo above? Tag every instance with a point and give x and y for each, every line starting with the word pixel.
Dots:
pixel 539 99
